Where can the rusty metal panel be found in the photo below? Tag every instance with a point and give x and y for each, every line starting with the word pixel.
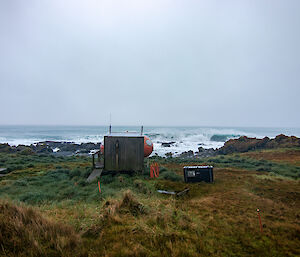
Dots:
pixel 123 153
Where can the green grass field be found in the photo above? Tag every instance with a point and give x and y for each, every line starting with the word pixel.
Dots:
pixel 48 209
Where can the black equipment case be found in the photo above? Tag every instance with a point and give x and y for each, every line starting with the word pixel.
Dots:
pixel 198 174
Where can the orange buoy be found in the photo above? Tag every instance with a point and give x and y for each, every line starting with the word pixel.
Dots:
pixel 148 146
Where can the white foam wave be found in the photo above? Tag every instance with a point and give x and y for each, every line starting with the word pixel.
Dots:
pixel 185 138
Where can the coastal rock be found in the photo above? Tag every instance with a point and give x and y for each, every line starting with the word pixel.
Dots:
pixel 43 149
pixel 24 150
pixel 188 154
pixel 245 144
pixel 49 146
pixel 169 155
pixel 6 148
pixel 167 144
pixel 201 149
pixel 203 153
pixel 68 147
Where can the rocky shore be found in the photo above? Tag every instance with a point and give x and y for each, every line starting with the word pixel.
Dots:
pixel 242 144
pixel 245 144
pixel 51 147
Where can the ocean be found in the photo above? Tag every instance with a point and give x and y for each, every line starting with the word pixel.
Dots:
pixel 184 138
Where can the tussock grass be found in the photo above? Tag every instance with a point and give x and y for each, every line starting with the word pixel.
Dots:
pixel 25 232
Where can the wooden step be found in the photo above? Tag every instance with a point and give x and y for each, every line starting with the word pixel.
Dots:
pixel 95 174
pixel 98 165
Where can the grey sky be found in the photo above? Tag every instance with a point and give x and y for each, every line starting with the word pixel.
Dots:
pixel 207 63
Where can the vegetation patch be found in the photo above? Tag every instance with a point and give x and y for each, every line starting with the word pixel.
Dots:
pixel 24 232
pixel 130 218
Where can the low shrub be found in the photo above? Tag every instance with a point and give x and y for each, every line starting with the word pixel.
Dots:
pixel 141 186
pixel 21 183
pixel 14 167
pixel 170 175
pixel 82 182
pixel 87 172
pixel 57 174
pixel 107 179
pixel 30 165
pixel 68 192
pixel 37 197
pixel 162 170
pixel 75 173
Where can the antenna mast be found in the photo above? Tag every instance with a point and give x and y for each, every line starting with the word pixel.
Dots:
pixel 110 123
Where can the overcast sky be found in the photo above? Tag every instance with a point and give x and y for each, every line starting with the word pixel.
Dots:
pixel 155 62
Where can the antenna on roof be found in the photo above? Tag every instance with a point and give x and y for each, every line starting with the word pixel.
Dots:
pixel 110 123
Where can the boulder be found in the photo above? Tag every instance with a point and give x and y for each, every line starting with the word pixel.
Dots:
pixel 167 144
pixel 201 149
pixel 169 155
pixel 203 153
pixel 188 154
pixel 6 148
pixel 41 148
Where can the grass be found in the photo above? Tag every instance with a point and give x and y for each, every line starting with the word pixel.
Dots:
pixel 244 162
pixel 253 161
pixel 282 155
pixel 63 178
pixel 25 232
pixel 58 213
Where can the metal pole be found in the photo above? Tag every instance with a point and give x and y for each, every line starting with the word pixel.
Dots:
pixel 261 230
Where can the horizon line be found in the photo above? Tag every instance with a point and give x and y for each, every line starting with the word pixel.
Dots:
pixel 169 126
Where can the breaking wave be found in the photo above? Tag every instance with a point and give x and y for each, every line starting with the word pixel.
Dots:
pixel 165 139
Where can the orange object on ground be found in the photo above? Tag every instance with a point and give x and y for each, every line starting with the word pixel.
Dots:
pixel 261 229
pixel 154 170
pixel 148 146
pixel 99 186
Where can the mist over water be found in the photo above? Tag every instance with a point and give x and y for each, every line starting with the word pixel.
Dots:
pixel 182 138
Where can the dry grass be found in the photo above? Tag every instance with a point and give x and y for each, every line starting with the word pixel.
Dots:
pixel 290 156
pixel 25 232
pixel 213 220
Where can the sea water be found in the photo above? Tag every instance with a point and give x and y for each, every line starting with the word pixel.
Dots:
pixel 184 138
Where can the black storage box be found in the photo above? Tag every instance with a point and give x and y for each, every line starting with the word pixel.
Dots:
pixel 198 174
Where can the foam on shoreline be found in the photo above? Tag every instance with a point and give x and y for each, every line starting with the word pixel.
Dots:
pixel 185 138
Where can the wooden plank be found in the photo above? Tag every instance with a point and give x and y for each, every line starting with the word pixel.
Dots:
pixel 95 174
pixel 98 165
pixel 3 170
